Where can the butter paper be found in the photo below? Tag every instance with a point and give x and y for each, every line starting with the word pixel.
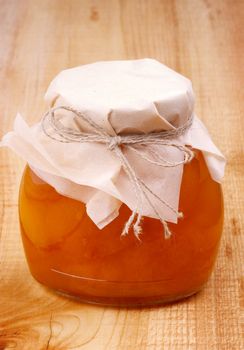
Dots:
pixel 124 97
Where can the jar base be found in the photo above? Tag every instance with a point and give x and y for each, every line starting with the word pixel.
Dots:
pixel 126 302
pixel 118 294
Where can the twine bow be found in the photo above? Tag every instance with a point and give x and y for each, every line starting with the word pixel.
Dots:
pixel 114 143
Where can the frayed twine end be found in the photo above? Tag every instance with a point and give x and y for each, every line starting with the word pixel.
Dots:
pixel 137 229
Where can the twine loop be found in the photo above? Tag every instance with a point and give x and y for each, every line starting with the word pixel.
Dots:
pixel 54 129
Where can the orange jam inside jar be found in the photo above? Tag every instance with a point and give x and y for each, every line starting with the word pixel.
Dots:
pixel 67 252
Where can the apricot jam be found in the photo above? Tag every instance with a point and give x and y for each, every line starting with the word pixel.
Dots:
pixel 67 252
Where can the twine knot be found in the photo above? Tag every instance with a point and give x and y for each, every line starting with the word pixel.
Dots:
pixel 54 129
pixel 114 141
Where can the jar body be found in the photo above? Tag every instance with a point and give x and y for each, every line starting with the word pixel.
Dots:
pixel 67 252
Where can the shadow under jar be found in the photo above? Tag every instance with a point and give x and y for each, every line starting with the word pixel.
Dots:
pixel 67 252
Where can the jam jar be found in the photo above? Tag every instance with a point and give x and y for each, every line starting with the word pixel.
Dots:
pixel 68 253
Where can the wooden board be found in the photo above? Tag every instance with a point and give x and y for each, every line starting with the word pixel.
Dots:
pixel 202 39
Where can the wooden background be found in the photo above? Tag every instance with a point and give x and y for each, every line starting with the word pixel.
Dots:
pixel 202 39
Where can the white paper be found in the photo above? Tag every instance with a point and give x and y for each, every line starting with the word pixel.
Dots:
pixel 122 97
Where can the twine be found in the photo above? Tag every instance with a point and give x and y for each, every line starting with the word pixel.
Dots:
pixel 114 143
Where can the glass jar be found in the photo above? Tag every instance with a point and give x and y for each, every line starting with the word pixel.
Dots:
pixel 67 252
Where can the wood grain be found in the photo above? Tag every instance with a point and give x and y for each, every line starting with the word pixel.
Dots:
pixel 202 39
